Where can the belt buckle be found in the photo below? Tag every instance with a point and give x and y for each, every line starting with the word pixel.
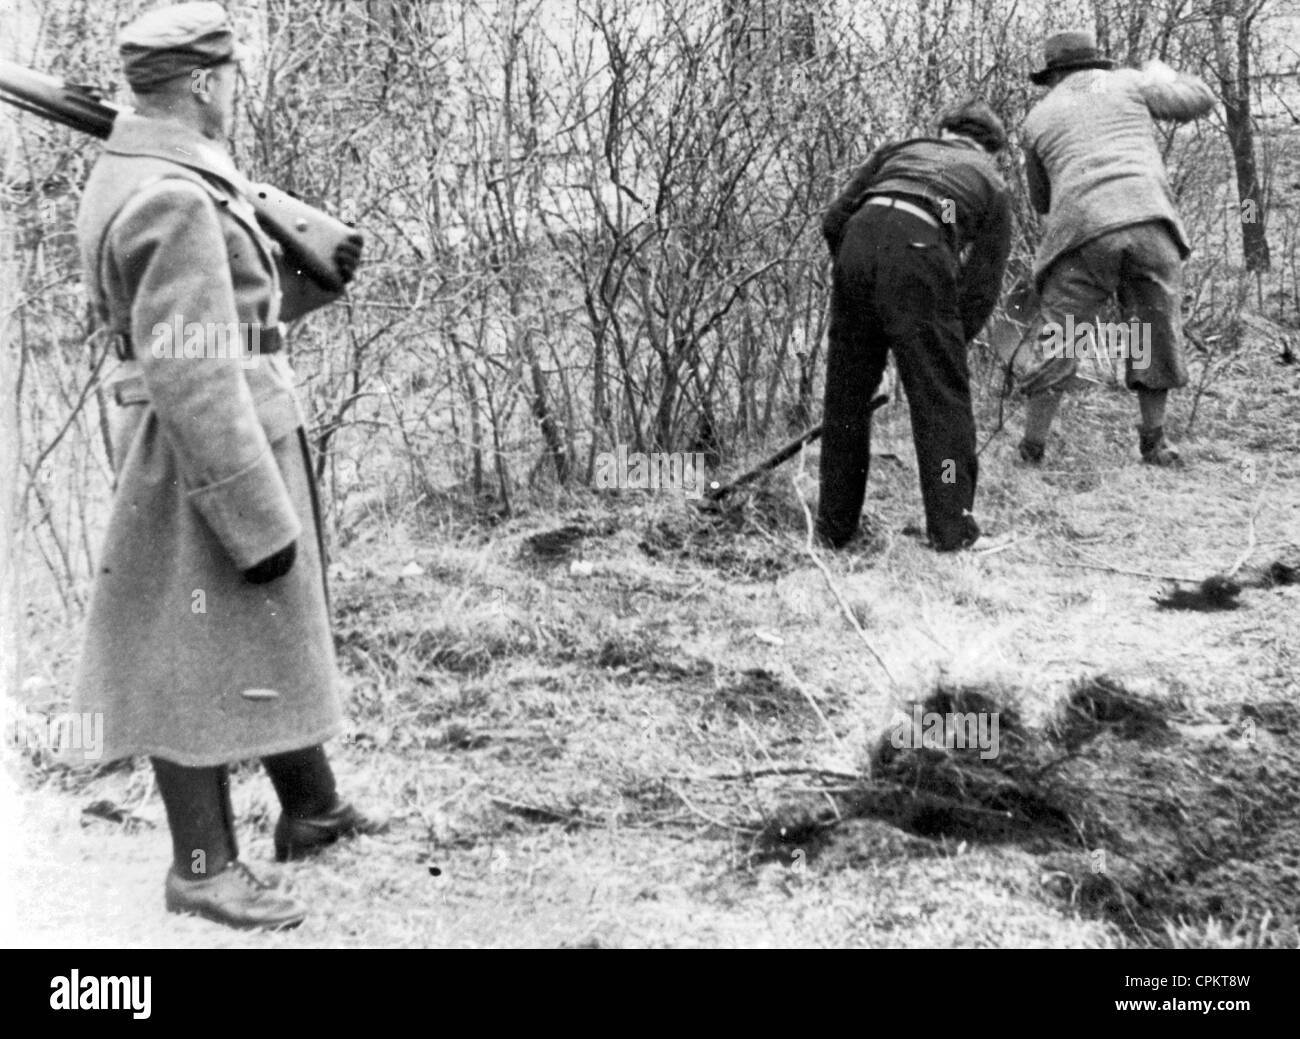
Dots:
pixel 129 390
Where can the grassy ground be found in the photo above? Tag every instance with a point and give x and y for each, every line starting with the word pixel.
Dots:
pixel 658 727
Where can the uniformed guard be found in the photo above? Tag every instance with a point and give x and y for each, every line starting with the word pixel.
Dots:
pixel 208 636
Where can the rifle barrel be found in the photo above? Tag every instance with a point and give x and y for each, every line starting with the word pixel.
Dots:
pixel 71 105
pixel 308 235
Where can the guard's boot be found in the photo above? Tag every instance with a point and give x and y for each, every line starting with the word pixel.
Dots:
pixel 1031 451
pixel 235 897
pixel 297 838
pixel 1155 449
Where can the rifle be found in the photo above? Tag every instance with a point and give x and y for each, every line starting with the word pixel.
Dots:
pixel 308 236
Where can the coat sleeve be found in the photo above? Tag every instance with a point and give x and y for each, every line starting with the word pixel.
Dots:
pixel 301 295
pixel 1177 96
pixel 981 278
pixel 170 254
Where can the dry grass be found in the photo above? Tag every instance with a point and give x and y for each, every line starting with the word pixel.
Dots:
pixel 600 737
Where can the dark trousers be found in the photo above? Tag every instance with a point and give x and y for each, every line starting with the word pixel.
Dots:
pixel 199 812
pixel 895 290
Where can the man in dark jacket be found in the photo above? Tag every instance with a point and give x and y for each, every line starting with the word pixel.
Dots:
pixel 920 239
pixel 208 639
pixel 1111 230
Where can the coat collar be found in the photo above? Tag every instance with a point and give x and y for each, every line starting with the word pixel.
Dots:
pixel 162 139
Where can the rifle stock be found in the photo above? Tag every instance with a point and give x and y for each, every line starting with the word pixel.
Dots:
pixel 308 236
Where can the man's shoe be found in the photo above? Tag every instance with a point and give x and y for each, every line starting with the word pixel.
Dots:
pixel 234 897
pixel 1031 451
pixel 1155 449
pixel 964 540
pixel 299 838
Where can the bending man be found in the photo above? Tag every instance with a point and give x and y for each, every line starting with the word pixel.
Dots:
pixel 920 239
pixel 1111 231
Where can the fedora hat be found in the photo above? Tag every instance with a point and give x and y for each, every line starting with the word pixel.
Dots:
pixel 1066 51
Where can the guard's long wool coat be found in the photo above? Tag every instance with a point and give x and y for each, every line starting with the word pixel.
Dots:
pixel 185 659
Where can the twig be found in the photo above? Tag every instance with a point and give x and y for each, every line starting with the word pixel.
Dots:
pixel 1003 547
pixel 783 770
pixel 710 818
pixel 830 581
pixel 812 702
pixel 520 807
pixel 1128 573
pixel 1251 536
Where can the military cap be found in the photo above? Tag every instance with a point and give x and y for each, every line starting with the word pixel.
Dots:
pixel 175 40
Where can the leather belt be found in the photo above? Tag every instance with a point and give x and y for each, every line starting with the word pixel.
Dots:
pixel 893 202
pixel 132 389
pixel 269 341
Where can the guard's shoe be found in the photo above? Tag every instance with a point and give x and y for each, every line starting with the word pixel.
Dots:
pixel 1155 449
pixel 298 838
pixel 234 897
pixel 1031 451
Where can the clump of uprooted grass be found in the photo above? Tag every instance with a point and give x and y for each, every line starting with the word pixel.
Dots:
pixel 1216 593
pixel 1016 791
pixel 1221 591
pixel 1133 824
pixel 1099 703
pixel 967 792
pixel 937 789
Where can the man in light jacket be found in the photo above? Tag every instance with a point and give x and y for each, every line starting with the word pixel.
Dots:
pixel 208 639
pixel 1111 230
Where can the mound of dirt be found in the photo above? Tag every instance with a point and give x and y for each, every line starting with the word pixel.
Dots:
pixel 758 693
pixel 642 655
pixel 735 540
pixel 555 546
